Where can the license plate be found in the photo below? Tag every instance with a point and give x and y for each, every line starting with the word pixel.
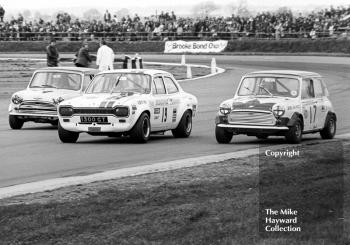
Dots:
pixel 94 119
pixel 94 129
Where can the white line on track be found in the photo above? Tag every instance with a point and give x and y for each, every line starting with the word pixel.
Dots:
pixel 52 184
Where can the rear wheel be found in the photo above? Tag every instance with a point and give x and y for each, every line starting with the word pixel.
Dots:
pixel 330 128
pixel 184 129
pixel 67 136
pixel 15 122
pixel 142 129
pixel 222 135
pixel 294 134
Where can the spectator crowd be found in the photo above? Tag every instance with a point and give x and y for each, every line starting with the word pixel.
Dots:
pixel 327 23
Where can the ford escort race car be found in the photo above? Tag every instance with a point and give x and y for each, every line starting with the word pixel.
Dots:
pixel 128 103
pixel 278 102
pixel 47 88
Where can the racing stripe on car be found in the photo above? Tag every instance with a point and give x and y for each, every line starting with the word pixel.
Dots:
pixel 110 104
pixel 103 103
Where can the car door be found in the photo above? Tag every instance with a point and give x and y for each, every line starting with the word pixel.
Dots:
pixel 173 101
pixel 321 109
pixel 308 104
pixel 159 115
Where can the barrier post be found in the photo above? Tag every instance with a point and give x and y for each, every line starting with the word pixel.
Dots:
pixel 213 66
pixel 183 60
pixel 129 65
pixel 189 72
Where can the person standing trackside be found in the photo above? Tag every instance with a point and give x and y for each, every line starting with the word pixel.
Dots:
pixel 2 14
pixel 105 57
pixel 83 56
pixel 52 54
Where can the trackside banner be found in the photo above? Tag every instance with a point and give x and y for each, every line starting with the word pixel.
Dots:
pixel 195 46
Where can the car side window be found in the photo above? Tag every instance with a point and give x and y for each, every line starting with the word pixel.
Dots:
pixel 170 85
pixel 159 86
pixel 319 92
pixel 307 89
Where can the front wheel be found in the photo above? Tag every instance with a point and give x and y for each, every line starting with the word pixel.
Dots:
pixel 67 136
pixel 15 122
pixel 294 133
pixel 330 128
pixel 142 129
pixel 184 129
pixel 222 135
pixel 262 136
pixel 54 123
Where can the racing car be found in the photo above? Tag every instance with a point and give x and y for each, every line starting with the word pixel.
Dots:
pixel 131 103
pixel 277 102
pixel 47 88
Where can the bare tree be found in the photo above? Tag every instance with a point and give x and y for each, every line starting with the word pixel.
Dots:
pixel 27 14
pixel 92 14
pixel 242 9
pixel 122 13
pixel 204 9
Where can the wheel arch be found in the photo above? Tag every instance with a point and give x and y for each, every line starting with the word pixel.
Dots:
pixel 330 114
pixel 296 116
pixel 183 112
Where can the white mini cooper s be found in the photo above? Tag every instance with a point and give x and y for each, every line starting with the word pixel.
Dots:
pixel 132 103
pixel 277 102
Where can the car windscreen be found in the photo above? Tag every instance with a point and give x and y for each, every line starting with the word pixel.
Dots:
pixel 57 80
pixel 269 86
pixel 119 83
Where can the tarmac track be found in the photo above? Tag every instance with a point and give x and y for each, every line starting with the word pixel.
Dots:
pixel 35 152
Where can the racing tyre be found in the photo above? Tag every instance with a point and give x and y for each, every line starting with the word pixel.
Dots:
pixel 141 131
pixel 262 136
pixel 330 128
pixel 222 135
pixel 183 130
pixel 15 122
pixel 294 134
pixel 54 123
pixel 67 136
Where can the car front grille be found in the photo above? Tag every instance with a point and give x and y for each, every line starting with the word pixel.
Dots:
pixel 251 118
pixel 37 107
pixel 94 111
pixel 120 111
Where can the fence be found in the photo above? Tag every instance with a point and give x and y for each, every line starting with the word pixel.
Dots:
pixel 149 36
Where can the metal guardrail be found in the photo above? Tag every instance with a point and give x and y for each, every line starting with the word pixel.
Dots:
pixel 149 36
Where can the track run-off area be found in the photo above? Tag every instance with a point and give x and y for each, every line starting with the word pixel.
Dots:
pixel 35 153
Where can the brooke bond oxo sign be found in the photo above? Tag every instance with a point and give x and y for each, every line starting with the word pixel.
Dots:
pixel 195 46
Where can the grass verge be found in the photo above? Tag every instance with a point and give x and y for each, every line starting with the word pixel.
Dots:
pixel 216 203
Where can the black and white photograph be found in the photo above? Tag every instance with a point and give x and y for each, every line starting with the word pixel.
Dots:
pixel 189 122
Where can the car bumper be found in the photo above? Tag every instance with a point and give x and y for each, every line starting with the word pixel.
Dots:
pixel 33 116
pixel 257 127
pixel 114 125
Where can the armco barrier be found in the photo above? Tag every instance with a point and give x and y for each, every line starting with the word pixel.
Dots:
pixel 248 45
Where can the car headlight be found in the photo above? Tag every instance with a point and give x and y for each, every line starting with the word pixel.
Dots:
pixel 66 111
pixel 58 100
pixel 225 109
pixel 121 111
pixel 278 110
pixel 16 99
